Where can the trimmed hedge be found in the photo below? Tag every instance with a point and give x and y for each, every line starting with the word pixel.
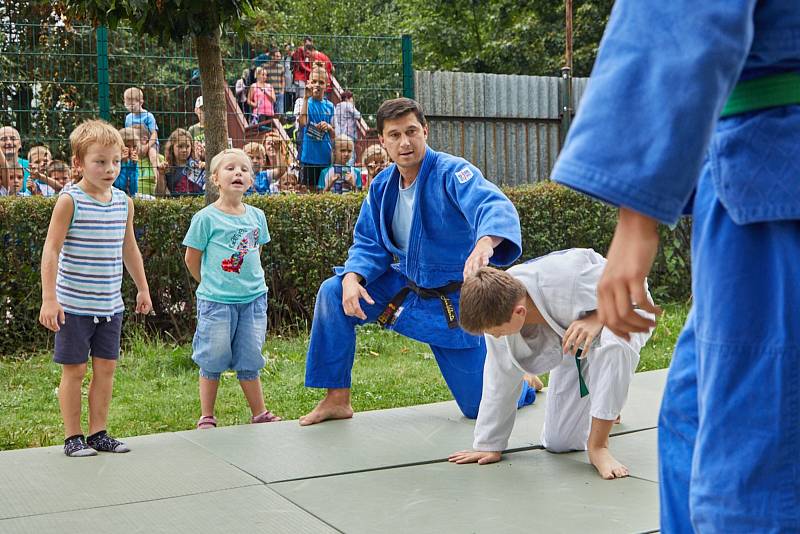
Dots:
pixel 310 234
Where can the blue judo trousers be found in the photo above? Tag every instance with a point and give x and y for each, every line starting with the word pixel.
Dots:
pixel 454 206
pixel 729 428
pixel 731 408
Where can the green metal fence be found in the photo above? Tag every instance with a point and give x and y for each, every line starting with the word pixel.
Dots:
pixel 54 76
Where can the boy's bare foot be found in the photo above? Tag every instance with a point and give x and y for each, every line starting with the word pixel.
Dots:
pixel 328 409
pixel 607 466
pixel 534 381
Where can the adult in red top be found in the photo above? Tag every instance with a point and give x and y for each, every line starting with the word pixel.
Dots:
pixel 301 63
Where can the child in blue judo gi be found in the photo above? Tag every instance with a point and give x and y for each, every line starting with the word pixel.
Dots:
pixel 692 108
pixel 442 220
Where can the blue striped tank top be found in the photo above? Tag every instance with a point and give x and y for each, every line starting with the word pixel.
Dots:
pixel 90 264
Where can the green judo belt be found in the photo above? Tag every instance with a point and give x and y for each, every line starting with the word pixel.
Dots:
pixel 761 93
pixel 582 383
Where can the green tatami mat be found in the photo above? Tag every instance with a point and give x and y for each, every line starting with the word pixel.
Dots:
pixel 530 491
pixel 371 440
pixel 249 510
pixel 37 481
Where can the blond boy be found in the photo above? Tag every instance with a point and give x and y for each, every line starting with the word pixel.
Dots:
pixel 39 158
pixel 134 102
pixel 541 316
pixel 81 297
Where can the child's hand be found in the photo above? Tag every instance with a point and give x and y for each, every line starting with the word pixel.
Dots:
pixel 126 153
pixel 134 154
pixel 162 166
pixel 143 302
pixel 580 334
pixel 471 457
pixel 51 315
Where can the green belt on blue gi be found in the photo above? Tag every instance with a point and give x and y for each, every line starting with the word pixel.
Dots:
pixel 770 91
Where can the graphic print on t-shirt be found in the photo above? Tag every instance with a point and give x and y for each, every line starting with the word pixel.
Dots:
pixel 247 242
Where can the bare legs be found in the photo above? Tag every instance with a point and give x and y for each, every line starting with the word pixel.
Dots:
pixel 100 389
pixel 251 389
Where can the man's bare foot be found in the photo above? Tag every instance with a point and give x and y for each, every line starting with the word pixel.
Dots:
pixel 534 381
pixel 607 466
pixel 327 409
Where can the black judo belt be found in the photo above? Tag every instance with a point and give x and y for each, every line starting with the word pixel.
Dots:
pixel 389 315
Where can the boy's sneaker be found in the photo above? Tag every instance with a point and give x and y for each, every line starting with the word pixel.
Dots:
pixel 101 441
pixel 76 446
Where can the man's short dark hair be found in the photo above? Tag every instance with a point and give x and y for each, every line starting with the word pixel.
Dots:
pixel 347 95
pixel 396 108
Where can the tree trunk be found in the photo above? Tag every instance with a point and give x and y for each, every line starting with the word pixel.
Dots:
pixel 212 79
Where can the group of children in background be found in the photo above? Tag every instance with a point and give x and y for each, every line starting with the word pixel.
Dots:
pixel 327 160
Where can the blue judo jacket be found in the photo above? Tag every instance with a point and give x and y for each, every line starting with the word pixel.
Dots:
pixel 648 120
pixel 453 208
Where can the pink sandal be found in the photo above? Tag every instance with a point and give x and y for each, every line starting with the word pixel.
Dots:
pixel 266 417
pixel 207 421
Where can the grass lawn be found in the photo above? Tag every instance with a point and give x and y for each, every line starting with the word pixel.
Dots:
pixel 156 383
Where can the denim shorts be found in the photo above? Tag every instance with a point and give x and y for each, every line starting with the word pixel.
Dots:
pixel 82 335
pixel 230 336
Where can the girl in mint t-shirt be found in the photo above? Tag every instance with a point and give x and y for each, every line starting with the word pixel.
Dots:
pixel 223 254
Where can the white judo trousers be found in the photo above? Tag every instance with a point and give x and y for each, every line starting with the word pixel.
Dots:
pixel 607 371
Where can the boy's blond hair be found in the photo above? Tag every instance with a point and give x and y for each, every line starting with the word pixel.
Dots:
pixel 38 148
pixel 488 299
pixel 255 147
pixel 134 92
pixel 235 153
pixel 372 151
pixel 90 132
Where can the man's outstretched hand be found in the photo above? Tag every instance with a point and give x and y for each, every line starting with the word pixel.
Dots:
pixel 622 287
pixel 479 257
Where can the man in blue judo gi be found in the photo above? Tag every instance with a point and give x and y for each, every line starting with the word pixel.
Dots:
pixel 442 220
pixel 692 106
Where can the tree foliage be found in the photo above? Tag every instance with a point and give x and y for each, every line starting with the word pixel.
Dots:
pixel 498 36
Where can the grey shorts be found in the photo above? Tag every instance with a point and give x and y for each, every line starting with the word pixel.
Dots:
pixel 82 335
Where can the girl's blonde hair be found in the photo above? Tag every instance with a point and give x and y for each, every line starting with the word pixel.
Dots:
pixel 172 141
pixel 230 153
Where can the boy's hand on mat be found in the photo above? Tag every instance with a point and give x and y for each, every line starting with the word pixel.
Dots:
pixel 621 289
pixel 471 457
pixel 51 315
pixel 143 302
pixel 580 334
pixel 352 292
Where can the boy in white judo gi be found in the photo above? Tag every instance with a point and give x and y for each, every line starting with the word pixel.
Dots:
pixel 540 316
